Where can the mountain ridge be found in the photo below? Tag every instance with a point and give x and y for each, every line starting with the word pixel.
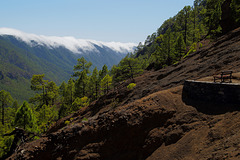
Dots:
pixel 77 46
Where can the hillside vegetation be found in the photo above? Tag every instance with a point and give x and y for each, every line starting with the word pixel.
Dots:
pixel 181 35
pixel 132 113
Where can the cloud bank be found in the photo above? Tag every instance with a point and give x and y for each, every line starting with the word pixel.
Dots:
pixel 71 43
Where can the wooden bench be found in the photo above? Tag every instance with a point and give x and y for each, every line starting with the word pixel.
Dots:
pixel 224 75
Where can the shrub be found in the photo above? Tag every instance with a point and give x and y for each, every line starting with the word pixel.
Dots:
pixel 67 122
pixel 131 86
pixel 192 49
pixel 84 119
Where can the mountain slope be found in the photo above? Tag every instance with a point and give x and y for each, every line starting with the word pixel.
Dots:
pixel 23 55
pixel 151 121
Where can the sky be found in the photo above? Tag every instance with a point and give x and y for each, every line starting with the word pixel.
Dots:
pixel 101 20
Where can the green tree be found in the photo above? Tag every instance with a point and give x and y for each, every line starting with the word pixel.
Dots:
pixel 81 84
pixel 129 67
pixel 81 70
pixel 106 83
pixel 5 99
pixel 25 118
pixel 94 83
pixel 62 89
pixel 63 111
pixel 51 92
pixel 213 16
pixel 103 72
pixel 158 57
pixel 117 75
pixel 180 47
pixel 79 103
pixel 45 116
pixel 69 97
pixel 186 12
pixel 183 22
pixel 82 65
pixel 39 84
pixel 167 47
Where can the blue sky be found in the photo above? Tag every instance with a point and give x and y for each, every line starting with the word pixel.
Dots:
pixel 102 20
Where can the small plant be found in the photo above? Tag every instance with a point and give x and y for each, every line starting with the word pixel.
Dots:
pixel 67 122
pixel 131 86
pixel 84 119
pixel 192 49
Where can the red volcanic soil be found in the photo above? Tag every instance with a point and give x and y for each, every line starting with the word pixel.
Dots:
pixel 152 121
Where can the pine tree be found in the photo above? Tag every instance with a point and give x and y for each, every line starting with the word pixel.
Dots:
pixel 81 85
pixel 45 116
pixel 39 84
pixel 106 83
pixel 70 92
pixel 82 65
pixel 81 70
pixel 94 84
pixel 103 72
pixel 129 67
pixel 5 99
pixel 180 47
pixel 24 117
pixel 213 16
pixel 51 92
pixel 62 89
pixel 167 47
pixel 117 74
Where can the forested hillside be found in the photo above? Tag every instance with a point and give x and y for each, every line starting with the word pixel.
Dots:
pixel 185 32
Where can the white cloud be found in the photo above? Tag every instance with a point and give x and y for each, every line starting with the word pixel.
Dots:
pixel 70 43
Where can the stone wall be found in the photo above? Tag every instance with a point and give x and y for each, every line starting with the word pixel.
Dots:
pixel 221 93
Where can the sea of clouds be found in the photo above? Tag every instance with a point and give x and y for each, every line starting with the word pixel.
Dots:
pixel 71 43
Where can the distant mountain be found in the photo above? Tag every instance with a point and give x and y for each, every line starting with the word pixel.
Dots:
pixel 23 54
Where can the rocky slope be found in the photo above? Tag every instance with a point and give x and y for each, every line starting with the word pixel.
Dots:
pixel 152 121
